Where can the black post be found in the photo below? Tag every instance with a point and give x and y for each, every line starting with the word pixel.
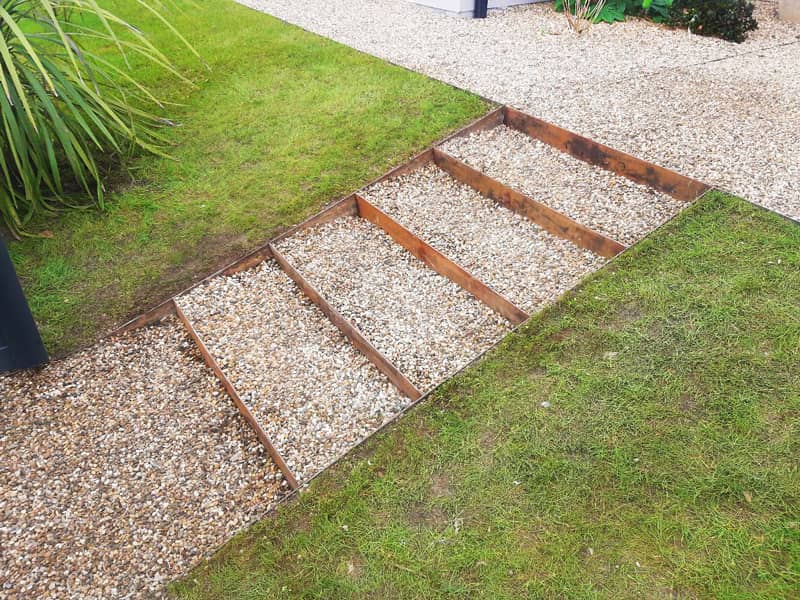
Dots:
pixel 20 344
pixel 481 7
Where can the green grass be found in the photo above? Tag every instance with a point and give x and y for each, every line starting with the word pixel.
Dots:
pixel 666 465
pixel 283 123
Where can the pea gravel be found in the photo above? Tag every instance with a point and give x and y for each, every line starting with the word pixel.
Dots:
pixel 122 466
pixel 313 393
pixel 723 113
pixel 609 204
pixel 517 258
pixel 425 324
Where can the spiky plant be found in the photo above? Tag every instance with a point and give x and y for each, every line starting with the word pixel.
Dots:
pixel 64 106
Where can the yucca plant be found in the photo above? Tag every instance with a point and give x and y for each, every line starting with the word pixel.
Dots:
pixel 64 106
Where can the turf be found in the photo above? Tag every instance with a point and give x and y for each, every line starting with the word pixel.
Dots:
pixel 638 439
pixel 283 123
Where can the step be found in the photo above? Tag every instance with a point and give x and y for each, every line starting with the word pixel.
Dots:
pixel 425 324
pixel 123 465
pixel 309 389
pixel 517 258
pixel 599 199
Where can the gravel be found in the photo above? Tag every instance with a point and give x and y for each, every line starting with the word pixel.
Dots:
pixel 723 113
pixel 610 204
pixel 426 325
pixel 313 393
pixel 122 466
pixel 521 261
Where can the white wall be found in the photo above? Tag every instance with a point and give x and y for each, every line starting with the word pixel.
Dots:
pixel 465 7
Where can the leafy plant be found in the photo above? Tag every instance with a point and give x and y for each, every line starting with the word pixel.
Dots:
pixel 726 19
pixel 616 10
pixel 64 105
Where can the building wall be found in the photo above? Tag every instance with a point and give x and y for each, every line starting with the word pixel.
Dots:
pixel 465 7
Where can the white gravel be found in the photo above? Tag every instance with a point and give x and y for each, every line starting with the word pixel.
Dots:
pixel 425 324
pixel 313 393
pixel 610 204
pixel 724 113
pixel 122 466
pixel 506 251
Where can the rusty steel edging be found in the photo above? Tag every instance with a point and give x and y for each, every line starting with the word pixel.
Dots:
pixel 665 180
pixel 349 330
pixel 439 262
pixel 234 395
pixel 541 214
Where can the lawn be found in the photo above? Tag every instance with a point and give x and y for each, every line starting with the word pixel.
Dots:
pixel 638 439
pixel 282 123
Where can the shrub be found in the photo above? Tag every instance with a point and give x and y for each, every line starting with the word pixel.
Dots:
pixel 726 19
pixel 64 106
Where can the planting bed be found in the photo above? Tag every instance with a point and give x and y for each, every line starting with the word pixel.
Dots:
pixel 514 256
pixel 312 392
pixel 423 323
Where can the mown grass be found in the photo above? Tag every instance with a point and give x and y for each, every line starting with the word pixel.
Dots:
pixel 284 122
pixel 664 466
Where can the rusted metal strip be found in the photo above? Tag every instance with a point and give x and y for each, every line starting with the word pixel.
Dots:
pixel 439 262
pixel 544 216
pixel 676 185
pixel 348 329
pixel 234 395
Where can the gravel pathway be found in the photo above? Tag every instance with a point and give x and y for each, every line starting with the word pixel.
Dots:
pixel 610 204
pixel 425 324
pixel 723 113
pixel 514 256
pixel 122 466
pixel 312 392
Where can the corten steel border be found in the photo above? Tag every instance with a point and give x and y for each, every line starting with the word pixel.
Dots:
pixel 440 263
pixel 679 186
pixel 237 400
pixel 549 219
pixel 349 330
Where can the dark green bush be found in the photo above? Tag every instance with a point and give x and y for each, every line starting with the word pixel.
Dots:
pixel 726 19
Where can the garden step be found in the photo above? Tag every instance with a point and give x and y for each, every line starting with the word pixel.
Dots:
pixel 310 390
pixel 422 322
pixel 601 200
pixel 516 257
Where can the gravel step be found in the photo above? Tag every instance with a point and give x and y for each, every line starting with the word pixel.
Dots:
pixel 123 465
pixel 608 203
pixel 518 259
pixel 312 392
pixel 426 325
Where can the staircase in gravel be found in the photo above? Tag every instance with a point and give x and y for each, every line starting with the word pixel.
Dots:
pixel 343 322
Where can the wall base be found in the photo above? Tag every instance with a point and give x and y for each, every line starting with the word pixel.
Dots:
pixel 788 10
pixel 464 8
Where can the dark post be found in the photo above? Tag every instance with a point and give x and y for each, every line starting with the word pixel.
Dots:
pixel 20 344
pixel 481 7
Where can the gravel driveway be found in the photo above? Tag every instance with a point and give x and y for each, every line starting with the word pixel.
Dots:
pixel 727 114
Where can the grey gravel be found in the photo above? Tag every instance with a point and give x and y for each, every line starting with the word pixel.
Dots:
pixel 425 324
pixel 122 466
pixel 518 259
pixel 610 204
pixel 313 393
pixel 724 113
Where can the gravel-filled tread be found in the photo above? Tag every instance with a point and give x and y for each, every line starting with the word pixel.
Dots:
pixel 312 392
pixel 426 325
pixel 508 252
pixel 608 203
